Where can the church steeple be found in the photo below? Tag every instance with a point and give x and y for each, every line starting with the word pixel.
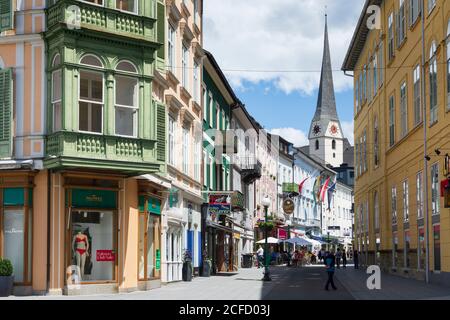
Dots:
pixel 326 103
pixel 325 135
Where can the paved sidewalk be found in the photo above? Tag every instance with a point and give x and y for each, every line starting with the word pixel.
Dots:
pixel 392 287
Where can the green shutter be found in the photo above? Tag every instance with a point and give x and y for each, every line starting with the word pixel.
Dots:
pixel 6 15
pixel 161 29
pixel 6 94
pixel 161 131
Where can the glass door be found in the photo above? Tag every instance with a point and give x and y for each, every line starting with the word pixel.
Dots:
pixel 14 241
pixel 149 247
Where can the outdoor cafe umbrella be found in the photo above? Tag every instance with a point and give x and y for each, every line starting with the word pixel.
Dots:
pixel 298 241
pixel 270 240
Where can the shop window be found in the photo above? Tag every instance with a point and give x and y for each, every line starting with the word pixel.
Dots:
pixel 16 240
pixel 93 245
pixel 149 239
pixel 437 247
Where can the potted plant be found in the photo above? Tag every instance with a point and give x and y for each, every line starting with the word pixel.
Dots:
pixel 6 278
pixel 187 266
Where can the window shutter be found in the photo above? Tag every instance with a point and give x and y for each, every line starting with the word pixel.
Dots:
pixel 161 28
pixel 6 15
pixel 6 94
pixel 161 120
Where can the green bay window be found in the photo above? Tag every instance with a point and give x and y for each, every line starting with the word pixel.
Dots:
pixel 127 5
pixel 126 101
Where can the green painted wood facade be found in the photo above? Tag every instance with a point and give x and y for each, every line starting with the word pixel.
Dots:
pixel 220 105
pixel 76 29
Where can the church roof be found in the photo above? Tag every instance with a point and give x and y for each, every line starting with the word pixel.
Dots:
pixel 326 103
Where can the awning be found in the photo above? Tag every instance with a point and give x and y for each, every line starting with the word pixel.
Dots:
pixel 270 240
pixel 156 180
pixel 298 241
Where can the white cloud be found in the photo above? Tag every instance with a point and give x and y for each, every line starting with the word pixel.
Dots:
pixel 347 128
pixel 295 136
pixel 280 35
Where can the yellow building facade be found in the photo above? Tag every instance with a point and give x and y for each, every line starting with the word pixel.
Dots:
pixel 392 191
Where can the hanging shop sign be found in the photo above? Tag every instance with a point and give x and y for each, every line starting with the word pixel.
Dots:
pixel 288 206
pixel 447 166
pixel 290 187
pixel 282 234
pixel 84 198
pixel 237 201
pixel 234 200
pixel 218 209
pixel 446 188
pixel 153 205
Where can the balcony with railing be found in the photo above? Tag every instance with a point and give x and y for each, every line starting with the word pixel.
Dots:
pixel 75 149
pixel 251 169
pixel 80 15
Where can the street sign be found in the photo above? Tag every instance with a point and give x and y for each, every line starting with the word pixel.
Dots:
pixel 288 206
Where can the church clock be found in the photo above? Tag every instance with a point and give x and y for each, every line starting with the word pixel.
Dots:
pixel 334 130
pixel 317 130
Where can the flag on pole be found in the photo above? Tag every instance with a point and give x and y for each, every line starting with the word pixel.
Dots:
pixel 300 186
pixel 324 189
pixel 316 188
pixel 330 194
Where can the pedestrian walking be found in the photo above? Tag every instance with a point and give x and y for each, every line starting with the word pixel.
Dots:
pixel 322 255
pixel 344 259
pixel 356 259
pixel 338 258
pixel 330 261
pixel 260 255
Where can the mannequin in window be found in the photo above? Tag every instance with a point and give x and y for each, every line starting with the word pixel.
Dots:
pixel 80 244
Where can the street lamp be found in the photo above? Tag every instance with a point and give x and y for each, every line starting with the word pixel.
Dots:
pixel 266 203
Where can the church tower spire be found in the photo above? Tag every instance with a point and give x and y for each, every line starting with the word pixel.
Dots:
pixel 325 136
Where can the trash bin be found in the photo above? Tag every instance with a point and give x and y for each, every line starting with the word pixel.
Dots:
pixel 247 260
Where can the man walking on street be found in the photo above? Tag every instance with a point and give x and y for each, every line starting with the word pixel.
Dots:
pixel 344 258
pixel 330 261
pixel 260 255
pixel 356 259
pixel 338 258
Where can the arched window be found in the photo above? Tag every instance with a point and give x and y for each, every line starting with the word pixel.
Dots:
pixel 433 84
pixel 91 96
pixel 333 144
pixel 56 94
pixel 91 60
pixel 126 101
pixel 317 144
pixel 126 66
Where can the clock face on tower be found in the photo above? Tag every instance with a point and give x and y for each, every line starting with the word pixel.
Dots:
pixel 317 130
pixel 334 130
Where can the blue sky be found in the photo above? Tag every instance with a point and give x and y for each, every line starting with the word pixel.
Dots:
pixel 271 52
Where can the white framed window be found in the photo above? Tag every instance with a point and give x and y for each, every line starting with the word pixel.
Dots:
pixel 205 168
pixel 435 196
pixel 171 36
pixel 205 104
pixel 405 201
pixel 126 100
pixel 401 22
pixel 127 5
pixel 210 110
pixel 184 64
pixel 196 89
pixel 198 159
pixel 403 110
pixel 433 85
pixel 90 110
pixel 419 195
pixel 391 121
pixel 394 205
pixel 57 95
pixel 391 36
pixel 186 153
pixel 417 96
pixel 172 128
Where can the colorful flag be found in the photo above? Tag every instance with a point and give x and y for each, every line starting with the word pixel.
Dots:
pixel 324 189
pixel 330 194
pixel 300 186
pixel 316 189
